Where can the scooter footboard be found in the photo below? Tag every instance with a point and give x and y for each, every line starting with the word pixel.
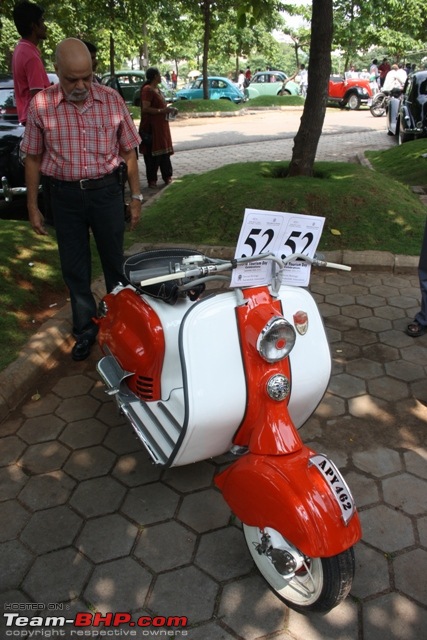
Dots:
pixel 290 494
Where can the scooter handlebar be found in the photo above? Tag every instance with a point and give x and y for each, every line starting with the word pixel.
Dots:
pixel 146 277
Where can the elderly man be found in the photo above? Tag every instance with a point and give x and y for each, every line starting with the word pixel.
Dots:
pixel 80 136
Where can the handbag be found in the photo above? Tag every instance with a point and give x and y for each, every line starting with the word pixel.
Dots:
pixel 146 138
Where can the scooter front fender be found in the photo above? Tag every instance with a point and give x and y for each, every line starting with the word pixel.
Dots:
pixel 290 495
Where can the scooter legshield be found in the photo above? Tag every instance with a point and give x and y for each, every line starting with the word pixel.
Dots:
pixel 288 494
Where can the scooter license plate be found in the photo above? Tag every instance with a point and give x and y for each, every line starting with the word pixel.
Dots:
pixel 337 484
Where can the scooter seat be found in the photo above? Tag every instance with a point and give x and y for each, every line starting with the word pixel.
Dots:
pixel 157 262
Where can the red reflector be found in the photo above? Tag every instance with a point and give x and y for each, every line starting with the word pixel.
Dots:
pixel 301 322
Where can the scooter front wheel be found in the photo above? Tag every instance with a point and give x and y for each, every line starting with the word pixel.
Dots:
pixel 303 583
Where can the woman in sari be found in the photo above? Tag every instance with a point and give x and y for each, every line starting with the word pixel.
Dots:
pixel 156 145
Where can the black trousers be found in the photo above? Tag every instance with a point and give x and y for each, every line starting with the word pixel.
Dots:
pixel 76 212
pixel 154 163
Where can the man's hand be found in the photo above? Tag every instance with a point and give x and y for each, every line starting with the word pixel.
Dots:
pixel 135 213
pixel 37 221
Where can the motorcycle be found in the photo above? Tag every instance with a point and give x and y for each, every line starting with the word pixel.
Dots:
pixel 200 372
pixel 381 102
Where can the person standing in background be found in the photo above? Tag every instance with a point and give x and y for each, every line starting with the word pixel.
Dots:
pixel 29 75
pixel 383 69
pixel 156 140
pixel 93 51
pixel 303 80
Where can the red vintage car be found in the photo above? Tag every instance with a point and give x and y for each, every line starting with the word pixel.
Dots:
pixel 349 92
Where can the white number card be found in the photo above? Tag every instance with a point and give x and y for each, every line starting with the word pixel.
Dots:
pixel 282 234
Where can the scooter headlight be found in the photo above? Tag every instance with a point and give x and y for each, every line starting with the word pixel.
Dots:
pixel 276 340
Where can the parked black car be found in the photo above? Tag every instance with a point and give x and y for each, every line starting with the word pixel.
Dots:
pixel 11 132
pixel 407 115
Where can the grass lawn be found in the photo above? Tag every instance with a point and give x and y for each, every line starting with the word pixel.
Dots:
pixel 371 210
pixel 207 106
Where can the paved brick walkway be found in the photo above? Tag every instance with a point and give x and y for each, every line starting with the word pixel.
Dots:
pixel 89 523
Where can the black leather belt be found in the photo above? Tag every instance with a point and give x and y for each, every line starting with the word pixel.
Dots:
pixel 87 183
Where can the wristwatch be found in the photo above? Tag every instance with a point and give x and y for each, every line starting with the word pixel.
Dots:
pixel 137 196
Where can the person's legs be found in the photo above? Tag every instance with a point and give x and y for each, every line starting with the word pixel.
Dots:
pixel 151 167
pixel 419 326
pixel 165 167
pixel 72 232
pixel 421 316
pixel 106 219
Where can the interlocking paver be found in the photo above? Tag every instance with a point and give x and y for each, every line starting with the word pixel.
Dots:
pixel 416 462
pixel 406 371
pixel 379 462
pixel 70 410
pixel 107 537
pixel 388 388
pixel 41 429
pixel 155 550
pixel 386 529
pixel 204 510
pixel 73 386
pixel 223 554
pixel 90 462
pixel 404 574
pixel 406 492
pixel 186 590
pixel 368 407
pixel 135 469
pixel 57 577
pixel 51 529
pixel 394 616
pixel 98 496
pixel 15 560
pixel 375 576
pixel 47 490
pixel 364 368
pixel 12 479
pixel 83 433
pixel 190 478
pixel 347 386
pixel 250 609
pixel 339 624
pixel 150 503
pixel 44 457
pixel 11 450
pixel 365 490
pixel 45 405
pixel 126 593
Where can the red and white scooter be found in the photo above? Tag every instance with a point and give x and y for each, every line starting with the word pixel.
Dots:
pixel 238 370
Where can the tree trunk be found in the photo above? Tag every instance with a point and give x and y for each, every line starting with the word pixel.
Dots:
pixel 206 37
pixel 112 70
pixel 319 69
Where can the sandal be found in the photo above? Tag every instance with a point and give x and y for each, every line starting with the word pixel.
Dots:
pixel 415 329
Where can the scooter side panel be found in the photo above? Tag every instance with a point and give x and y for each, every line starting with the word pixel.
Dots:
pixel 310 358
pixel 214 379
pixel 287 494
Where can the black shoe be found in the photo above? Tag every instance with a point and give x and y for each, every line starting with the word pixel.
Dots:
pixel 81 349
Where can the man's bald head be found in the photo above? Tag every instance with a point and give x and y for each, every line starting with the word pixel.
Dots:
pixel 73 65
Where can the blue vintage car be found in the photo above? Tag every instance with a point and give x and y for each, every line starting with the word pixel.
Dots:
pixel 219 89
pixel 407 114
